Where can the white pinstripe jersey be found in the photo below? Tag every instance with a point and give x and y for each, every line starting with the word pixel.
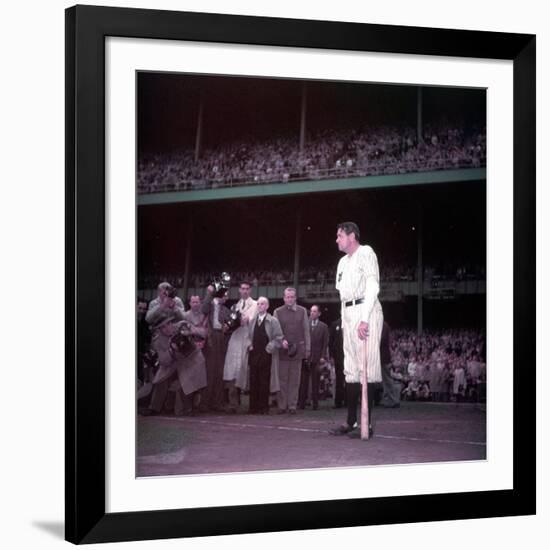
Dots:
pixel 357 277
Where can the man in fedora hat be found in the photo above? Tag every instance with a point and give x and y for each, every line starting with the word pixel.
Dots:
pixel 165 302
pixel 164 307
pixel 296 345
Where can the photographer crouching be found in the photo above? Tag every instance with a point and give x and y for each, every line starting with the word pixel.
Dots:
pixel 181 363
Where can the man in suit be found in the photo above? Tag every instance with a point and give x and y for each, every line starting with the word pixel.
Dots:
pixel 311 370
pixel 296 346
pixel 215 350
pixel 264 340
pixel 336 350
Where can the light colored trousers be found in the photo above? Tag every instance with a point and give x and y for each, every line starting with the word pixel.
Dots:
pixel 289 381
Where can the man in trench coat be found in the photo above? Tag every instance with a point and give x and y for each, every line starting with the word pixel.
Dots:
pixel 260 374
pixel 185 373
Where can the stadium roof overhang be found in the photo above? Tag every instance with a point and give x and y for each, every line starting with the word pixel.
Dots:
pixel 313 186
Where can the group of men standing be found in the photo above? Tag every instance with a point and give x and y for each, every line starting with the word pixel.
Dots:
pixel 278 353
pixel 246 359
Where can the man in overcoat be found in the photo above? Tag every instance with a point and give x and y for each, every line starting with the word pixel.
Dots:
pixel 185 373
pixel 261 374
pixel 295 347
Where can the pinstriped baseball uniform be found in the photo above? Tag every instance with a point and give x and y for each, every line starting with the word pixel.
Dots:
pixel 357 277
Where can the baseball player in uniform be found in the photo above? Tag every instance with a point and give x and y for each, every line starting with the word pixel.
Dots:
pixel 358 281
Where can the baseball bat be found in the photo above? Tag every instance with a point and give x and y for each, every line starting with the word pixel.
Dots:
pixel 364 399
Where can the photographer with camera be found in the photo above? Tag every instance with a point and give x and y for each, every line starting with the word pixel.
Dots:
pixel 236 357
pixel 166 302
pixel 181 366
pixel 198 321
pixel 165 305
pixel 213 306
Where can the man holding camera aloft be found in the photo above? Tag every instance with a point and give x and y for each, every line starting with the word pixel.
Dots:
pixel 236 357
pixel 213 306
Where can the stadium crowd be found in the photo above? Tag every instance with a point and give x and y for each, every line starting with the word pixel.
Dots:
pixel 323 275
pixel 375 150
pixel 446 365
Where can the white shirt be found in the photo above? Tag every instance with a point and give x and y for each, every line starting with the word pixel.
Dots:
pixel 357 277
pixel 247 307
pixel 261 318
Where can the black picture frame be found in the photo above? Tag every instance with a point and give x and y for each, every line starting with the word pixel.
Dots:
pixel 86 30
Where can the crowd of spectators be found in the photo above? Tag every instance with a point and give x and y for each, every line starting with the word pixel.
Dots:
pixel 439 365
pixel 256 277
pixel 323 276
pixel 374 150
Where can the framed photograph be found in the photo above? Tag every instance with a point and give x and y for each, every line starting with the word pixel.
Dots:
pixel 326 231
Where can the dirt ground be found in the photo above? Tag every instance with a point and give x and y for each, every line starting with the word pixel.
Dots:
pixel 416 432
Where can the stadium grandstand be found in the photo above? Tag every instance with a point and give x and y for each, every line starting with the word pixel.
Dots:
pixel 251 176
